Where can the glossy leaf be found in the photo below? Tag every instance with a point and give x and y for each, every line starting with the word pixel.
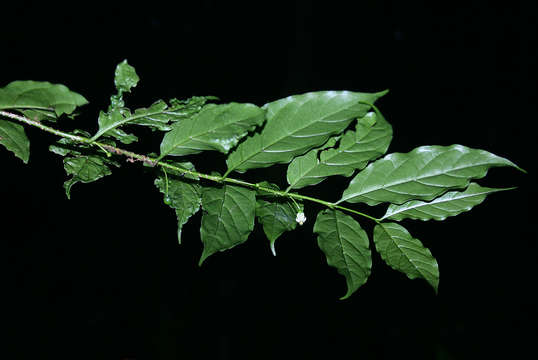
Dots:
pixel 297 124
pixel 422 174
pixel 125 77
pixel 85 169
pixel 369 140
pixel 186 108
pixel 276 216
pixel 158 116
pixel 109 123
pixel 228 218
pixel 216 127
pixel 13 138
pixel 450 204
pixel 404 253
pixel 346 246
pixel 185 195
pixel 46 100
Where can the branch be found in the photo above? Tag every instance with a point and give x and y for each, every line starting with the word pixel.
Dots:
pixel 154 162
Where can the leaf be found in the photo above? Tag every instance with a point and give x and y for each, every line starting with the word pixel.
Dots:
pixel 370 140
pixel 228 218
pixel 276 217
pixel 46 100
pixel 66 146
pixel 216 127
pixel 85 169
pixel 404 253
pixel 158 116
pixel 125 77
pixel 13 137
pixel 109 123
pixel 297 124
pixel 185 196
pixel 450 204
pixel 422 174
pixel 345 244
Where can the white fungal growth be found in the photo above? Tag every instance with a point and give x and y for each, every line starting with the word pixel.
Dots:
pixel 300 218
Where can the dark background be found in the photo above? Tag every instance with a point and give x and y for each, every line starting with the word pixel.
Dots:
pixel 102 276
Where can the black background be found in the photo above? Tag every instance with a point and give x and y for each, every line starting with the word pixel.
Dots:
pixel 102 276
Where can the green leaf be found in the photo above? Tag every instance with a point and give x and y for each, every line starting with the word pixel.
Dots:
pixel 370 140
pixel 422 174
pixel 450 204
pixel 404 253
pixel 85 169
pixel 40 115
pixel 51 100
pixel 276 217
pixel 158 116
pixel 109 123
pixel 297 124
pixel 66 146
pixel 125 77
pixel 216 127
pixel 185 195
pixel 228 218
pixel 345 244
pixel 13 137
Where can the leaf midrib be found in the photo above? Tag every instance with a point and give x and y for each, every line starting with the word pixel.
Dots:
pixel 194 137
pixel 120 123
pixel 385 186
pixel 336 153
pixel 400 248
pixel 283 137
pixel 441 201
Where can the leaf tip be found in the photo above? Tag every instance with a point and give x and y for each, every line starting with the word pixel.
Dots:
pixel 383 93
pixel 436 287
pixel 521 169
pixel 204 256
